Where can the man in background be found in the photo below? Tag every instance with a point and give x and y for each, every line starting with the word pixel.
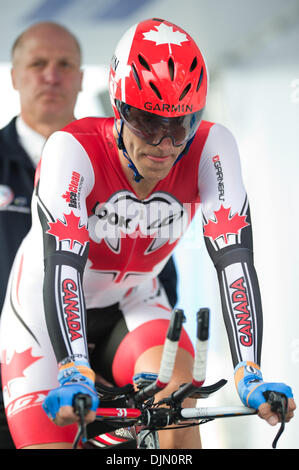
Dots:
pixel 46 71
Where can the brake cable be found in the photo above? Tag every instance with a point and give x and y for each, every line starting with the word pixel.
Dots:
pixel 279 403
pixel 82 404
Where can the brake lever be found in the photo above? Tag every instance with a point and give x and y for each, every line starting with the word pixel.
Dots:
pixel 278 402
pixel 81 404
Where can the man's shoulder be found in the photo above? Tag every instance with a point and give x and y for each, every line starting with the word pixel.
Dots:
pixel 8 132
pixel 8 139
pixel 214 130
pixel 88 125
pixel 202 134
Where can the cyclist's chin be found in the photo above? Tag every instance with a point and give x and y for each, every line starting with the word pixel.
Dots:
pixel 155 167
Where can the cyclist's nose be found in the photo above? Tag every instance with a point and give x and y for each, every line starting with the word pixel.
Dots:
pixel 166 143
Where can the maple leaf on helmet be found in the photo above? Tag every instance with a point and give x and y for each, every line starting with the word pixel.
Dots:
pixel 164 34
pixel 224 224
pixel 69 230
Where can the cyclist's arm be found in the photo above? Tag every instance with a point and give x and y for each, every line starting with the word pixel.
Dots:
pixel 66 179
pixel 228 238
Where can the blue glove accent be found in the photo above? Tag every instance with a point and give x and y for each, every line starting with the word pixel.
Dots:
pixel 72 382
pixel 251 387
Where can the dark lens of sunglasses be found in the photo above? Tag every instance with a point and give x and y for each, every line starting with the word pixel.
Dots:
pixel 153 128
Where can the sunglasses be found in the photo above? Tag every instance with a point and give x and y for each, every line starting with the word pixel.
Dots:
pixel 154 128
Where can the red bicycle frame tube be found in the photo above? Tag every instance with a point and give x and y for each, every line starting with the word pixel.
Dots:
pixel 118 413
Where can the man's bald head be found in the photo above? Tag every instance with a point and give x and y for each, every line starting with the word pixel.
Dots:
pixel 46 71
pixel 44 27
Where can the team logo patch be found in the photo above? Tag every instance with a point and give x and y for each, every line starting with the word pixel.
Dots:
pixel 240 301
pixel 161 218
pixel 219 175
pixel 71 309
pixel 69 229
pixel 224 224
pixel 72 195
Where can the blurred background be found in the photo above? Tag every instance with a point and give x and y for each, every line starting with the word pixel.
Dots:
pixel 251 49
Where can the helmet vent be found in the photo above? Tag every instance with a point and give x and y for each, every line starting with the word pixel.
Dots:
pixel 143 62
pixel 200 79
pixel 185 91
pixel 155 89
pixel 194 64
pixel 136 76
pixel 171 68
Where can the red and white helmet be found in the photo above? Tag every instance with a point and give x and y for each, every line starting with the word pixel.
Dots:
pixel 157 67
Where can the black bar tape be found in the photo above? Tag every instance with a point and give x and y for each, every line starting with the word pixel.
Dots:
pixel 203 319
pixel 175 327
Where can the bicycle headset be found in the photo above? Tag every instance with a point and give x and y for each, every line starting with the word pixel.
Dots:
pixel 158 85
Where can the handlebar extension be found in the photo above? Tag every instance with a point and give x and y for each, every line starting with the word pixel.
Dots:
pixel 168 357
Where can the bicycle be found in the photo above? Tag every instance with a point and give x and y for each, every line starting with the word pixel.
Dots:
pixel 129 415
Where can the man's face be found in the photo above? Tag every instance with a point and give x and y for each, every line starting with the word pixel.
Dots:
pixel 152 162
pixel 47 74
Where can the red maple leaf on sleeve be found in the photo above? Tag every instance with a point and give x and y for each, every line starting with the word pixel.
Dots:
pixel 69 230
pixel 225 224
pixel 14 369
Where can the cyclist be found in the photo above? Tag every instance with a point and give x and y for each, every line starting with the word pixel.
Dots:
pixel 113 196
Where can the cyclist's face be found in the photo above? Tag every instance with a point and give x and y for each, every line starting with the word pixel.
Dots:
pixel 46 72
pixel 152 162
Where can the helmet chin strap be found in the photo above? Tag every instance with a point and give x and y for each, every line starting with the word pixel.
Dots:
pixel 186 149
pixel 120 143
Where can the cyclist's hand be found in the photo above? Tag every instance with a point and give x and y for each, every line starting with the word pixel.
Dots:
pixel 74 378
pixel 251 389
pixel 265 412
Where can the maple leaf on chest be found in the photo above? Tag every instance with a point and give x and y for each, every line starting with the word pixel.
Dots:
pixel 69 230
pixel 16 366
pixel 224 224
